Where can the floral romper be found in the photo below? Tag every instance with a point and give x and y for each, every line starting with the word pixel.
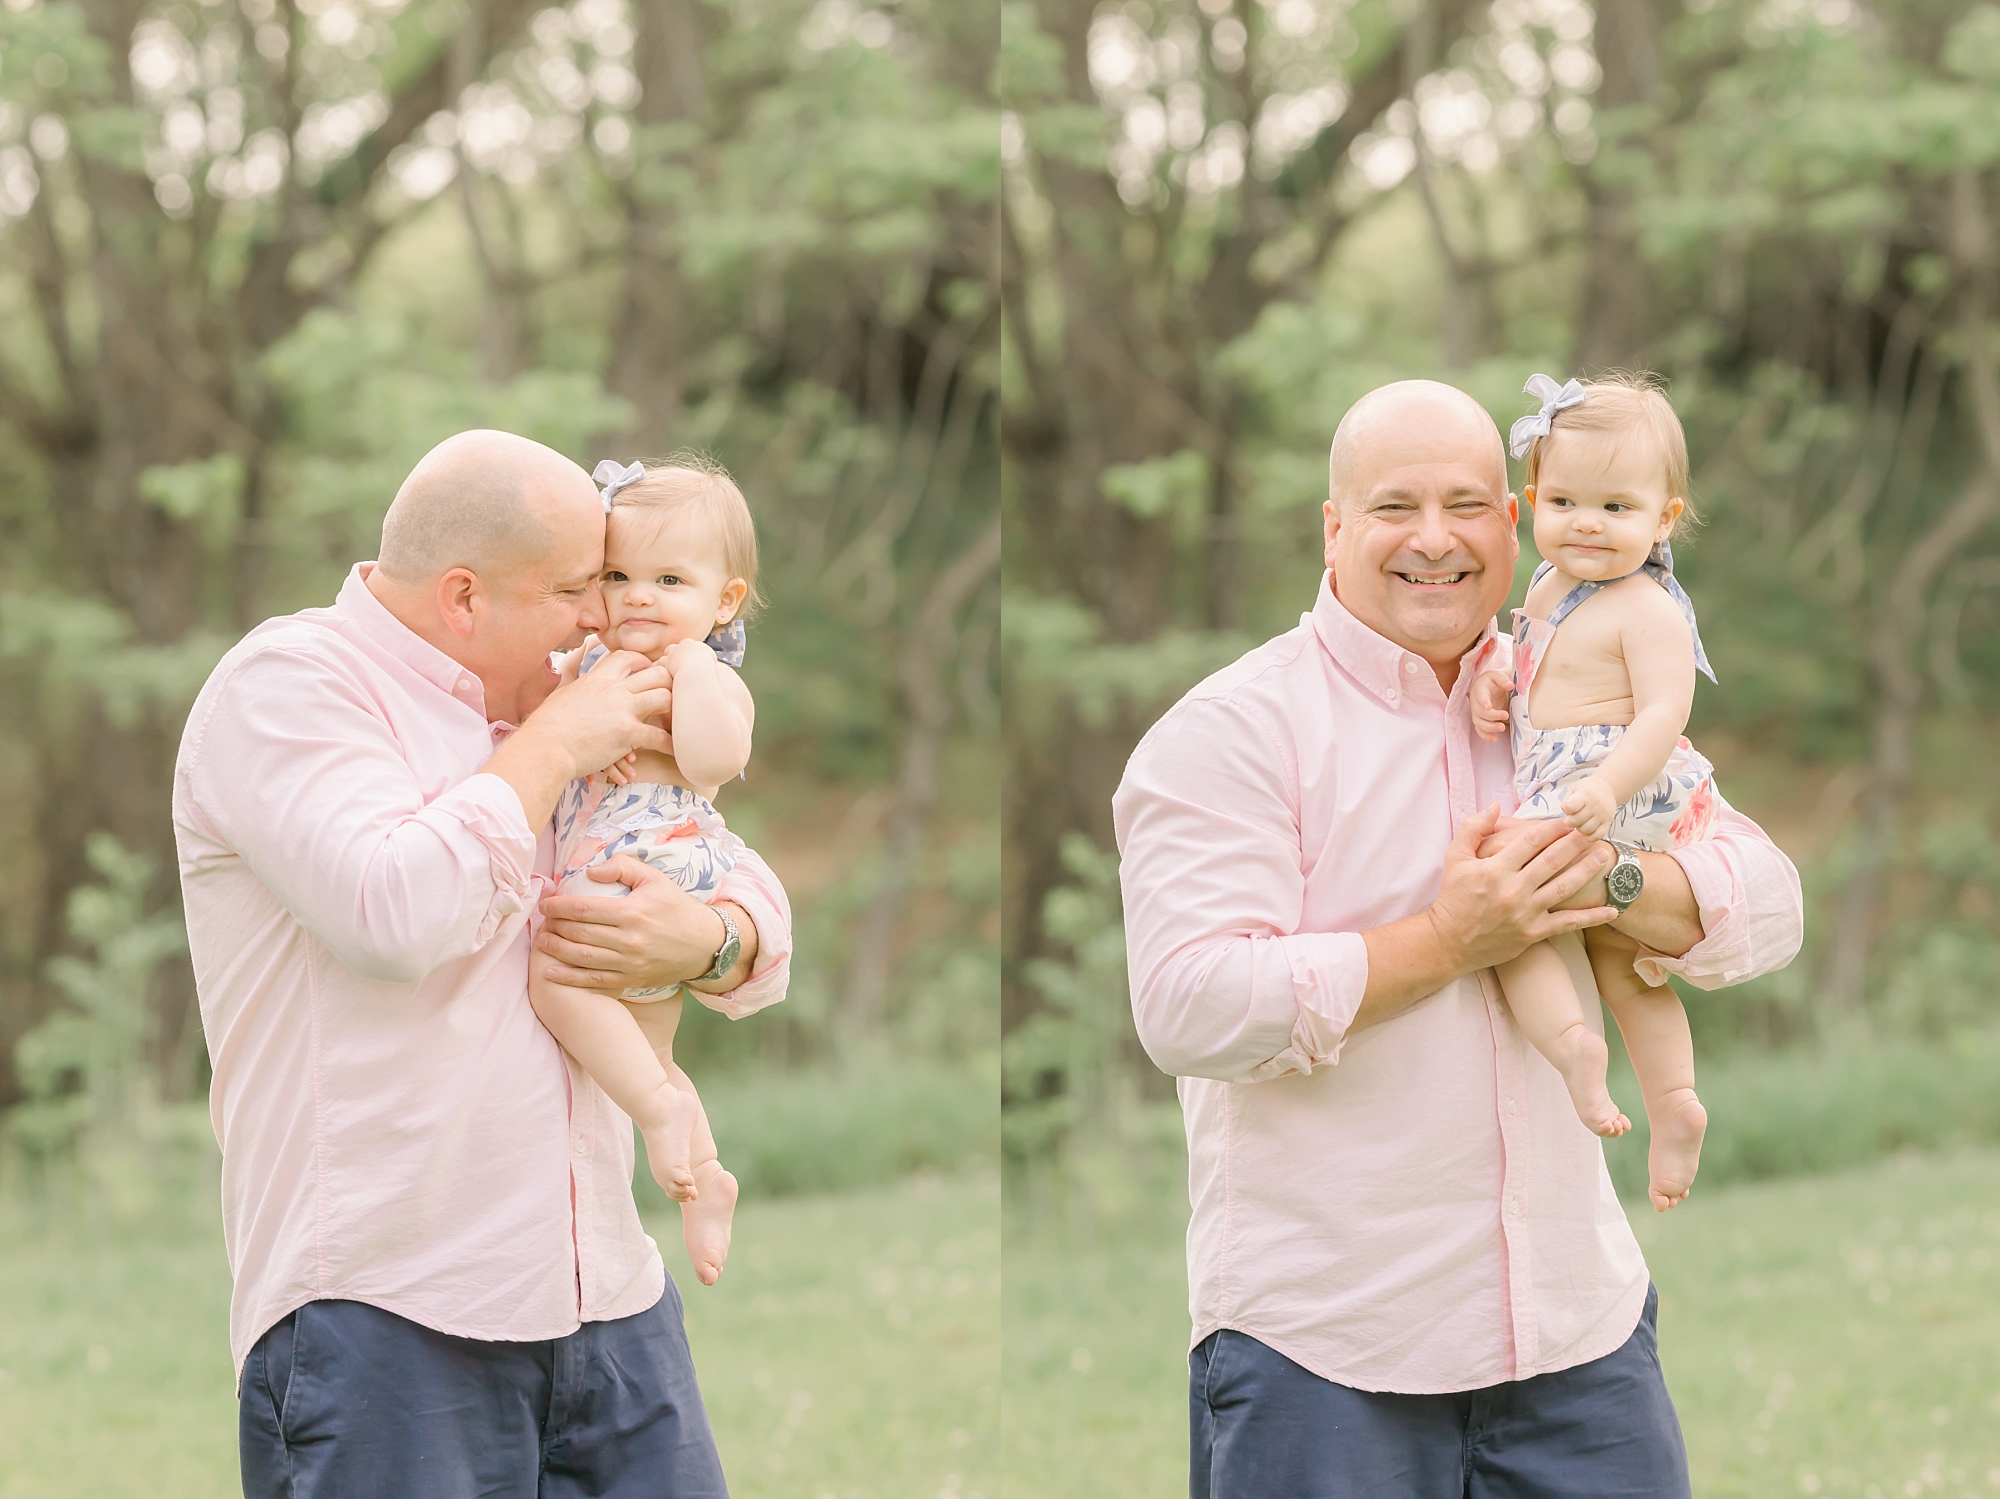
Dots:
pixel 1679 808
pixel 673 829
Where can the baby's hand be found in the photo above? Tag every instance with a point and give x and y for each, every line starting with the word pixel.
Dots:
pixel 1591 806
pixel 1490 695
pixel 684 655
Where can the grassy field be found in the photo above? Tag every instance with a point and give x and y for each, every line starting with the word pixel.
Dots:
pixel 851 1351
pixel 1830 1335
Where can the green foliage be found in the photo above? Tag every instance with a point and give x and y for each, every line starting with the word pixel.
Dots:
pixel 85 1067
pixel 824 1129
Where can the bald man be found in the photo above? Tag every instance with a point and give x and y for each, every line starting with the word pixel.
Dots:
pixel 1409 1275
pixel 441 1282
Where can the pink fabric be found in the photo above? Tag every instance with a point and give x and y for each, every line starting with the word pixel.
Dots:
pixel 1416 1207
pixel 396 1126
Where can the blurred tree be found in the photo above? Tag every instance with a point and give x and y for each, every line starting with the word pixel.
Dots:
pixel 1226 221
pixel 255 257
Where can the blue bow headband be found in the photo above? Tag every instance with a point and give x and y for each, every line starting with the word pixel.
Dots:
pixel 730 641
pixel 1554 398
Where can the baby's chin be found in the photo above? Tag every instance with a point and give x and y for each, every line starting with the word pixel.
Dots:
pixel 645 639
pixel 1599 567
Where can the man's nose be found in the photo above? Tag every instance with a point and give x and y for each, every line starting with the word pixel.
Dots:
pixel 591 616
pixel 1434 537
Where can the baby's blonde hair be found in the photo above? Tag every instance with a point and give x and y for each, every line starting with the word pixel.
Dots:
pixel 688 481
pixel 1622 401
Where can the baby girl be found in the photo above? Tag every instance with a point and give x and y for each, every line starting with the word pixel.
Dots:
pixel 680 569
pixel 1605 656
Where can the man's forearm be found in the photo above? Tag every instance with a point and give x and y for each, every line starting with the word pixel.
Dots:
pixel 1407 961
pixel 537 768
pixel 746 959
pixel 1666 917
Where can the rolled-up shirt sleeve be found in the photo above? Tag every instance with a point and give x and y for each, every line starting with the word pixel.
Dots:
pixel 1752 908
pixel 1223 983
pixel 753 886
pixel 298 772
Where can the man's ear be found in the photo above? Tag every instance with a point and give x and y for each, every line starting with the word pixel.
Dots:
pixel 460 600
pixel 1331 510
pixel 734 592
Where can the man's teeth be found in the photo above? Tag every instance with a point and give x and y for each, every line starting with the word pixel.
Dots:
pixel 1431 582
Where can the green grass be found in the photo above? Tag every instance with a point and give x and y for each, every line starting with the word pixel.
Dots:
pixel 851 1350
pixel 1815 1111
pixel 1833 1335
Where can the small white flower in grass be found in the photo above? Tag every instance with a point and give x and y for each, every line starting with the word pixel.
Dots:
pixel 1809 1483
pixel 98 1358
pixel 1079 1360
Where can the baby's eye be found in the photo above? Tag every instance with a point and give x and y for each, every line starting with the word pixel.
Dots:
pixel 612 575
pixel 669 580
pixel 1616 508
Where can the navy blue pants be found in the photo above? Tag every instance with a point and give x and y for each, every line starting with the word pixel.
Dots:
pixel 1264 1428
pixel 342 1400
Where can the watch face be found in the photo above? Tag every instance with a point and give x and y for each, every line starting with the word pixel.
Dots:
pixel 1624 882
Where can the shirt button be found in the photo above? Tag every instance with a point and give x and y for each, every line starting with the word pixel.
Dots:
pixel 465 684
pixel 1412 667
pixel 1390 694
pixel 1511 1107
pixel 1514 1206
pixel 582 1146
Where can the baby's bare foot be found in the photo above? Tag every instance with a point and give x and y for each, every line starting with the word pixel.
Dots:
pixel 1675 1154
pixel 1580 1056
pixel 670 1147
pixel 706 1218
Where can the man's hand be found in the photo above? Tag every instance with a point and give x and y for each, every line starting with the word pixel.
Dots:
pixel 1498 894
pixel 584 725
pixel 657 935
pixel 1501 888
pixel 1491 694
pixel 1590 805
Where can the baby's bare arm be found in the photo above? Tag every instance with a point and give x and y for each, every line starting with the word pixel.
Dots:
pixel 1659 659
pixel 713 716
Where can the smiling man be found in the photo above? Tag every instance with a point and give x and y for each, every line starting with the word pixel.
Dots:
pixel 441 1282
pixel 1409 1275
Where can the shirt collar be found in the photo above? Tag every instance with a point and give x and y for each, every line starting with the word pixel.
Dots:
pixel 1380 665
pixel 370 617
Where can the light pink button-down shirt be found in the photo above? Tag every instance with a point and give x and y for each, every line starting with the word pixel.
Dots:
pixel 1414 1207
pixel 396 1126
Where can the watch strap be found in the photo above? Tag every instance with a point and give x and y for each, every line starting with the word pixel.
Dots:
pixel 725 955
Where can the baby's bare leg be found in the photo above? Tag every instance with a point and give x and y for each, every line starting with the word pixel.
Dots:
pixel 599 1031
pixel 669 1150
pixel 1546 1007
pixel 708 1212
pixel 1656 1034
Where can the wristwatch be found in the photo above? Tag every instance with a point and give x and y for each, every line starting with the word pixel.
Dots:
pixel 1624 880
pixel 731 949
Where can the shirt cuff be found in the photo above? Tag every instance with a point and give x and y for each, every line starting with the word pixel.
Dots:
pixel 757 891
pixel 489 809
pixel 1327 973
pixel 1723 956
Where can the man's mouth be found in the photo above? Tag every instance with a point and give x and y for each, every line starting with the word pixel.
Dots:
pixel 1431 580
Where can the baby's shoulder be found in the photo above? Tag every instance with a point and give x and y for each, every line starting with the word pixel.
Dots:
pixel 1641 599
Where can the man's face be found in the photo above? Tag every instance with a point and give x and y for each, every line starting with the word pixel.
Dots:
pixel 539 605
pixel 1422 541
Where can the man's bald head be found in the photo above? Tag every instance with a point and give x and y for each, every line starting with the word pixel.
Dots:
pixel 1393 419
pixel 483 500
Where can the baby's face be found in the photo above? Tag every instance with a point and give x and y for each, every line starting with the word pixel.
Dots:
pixel 663 582
pixel 1601 503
